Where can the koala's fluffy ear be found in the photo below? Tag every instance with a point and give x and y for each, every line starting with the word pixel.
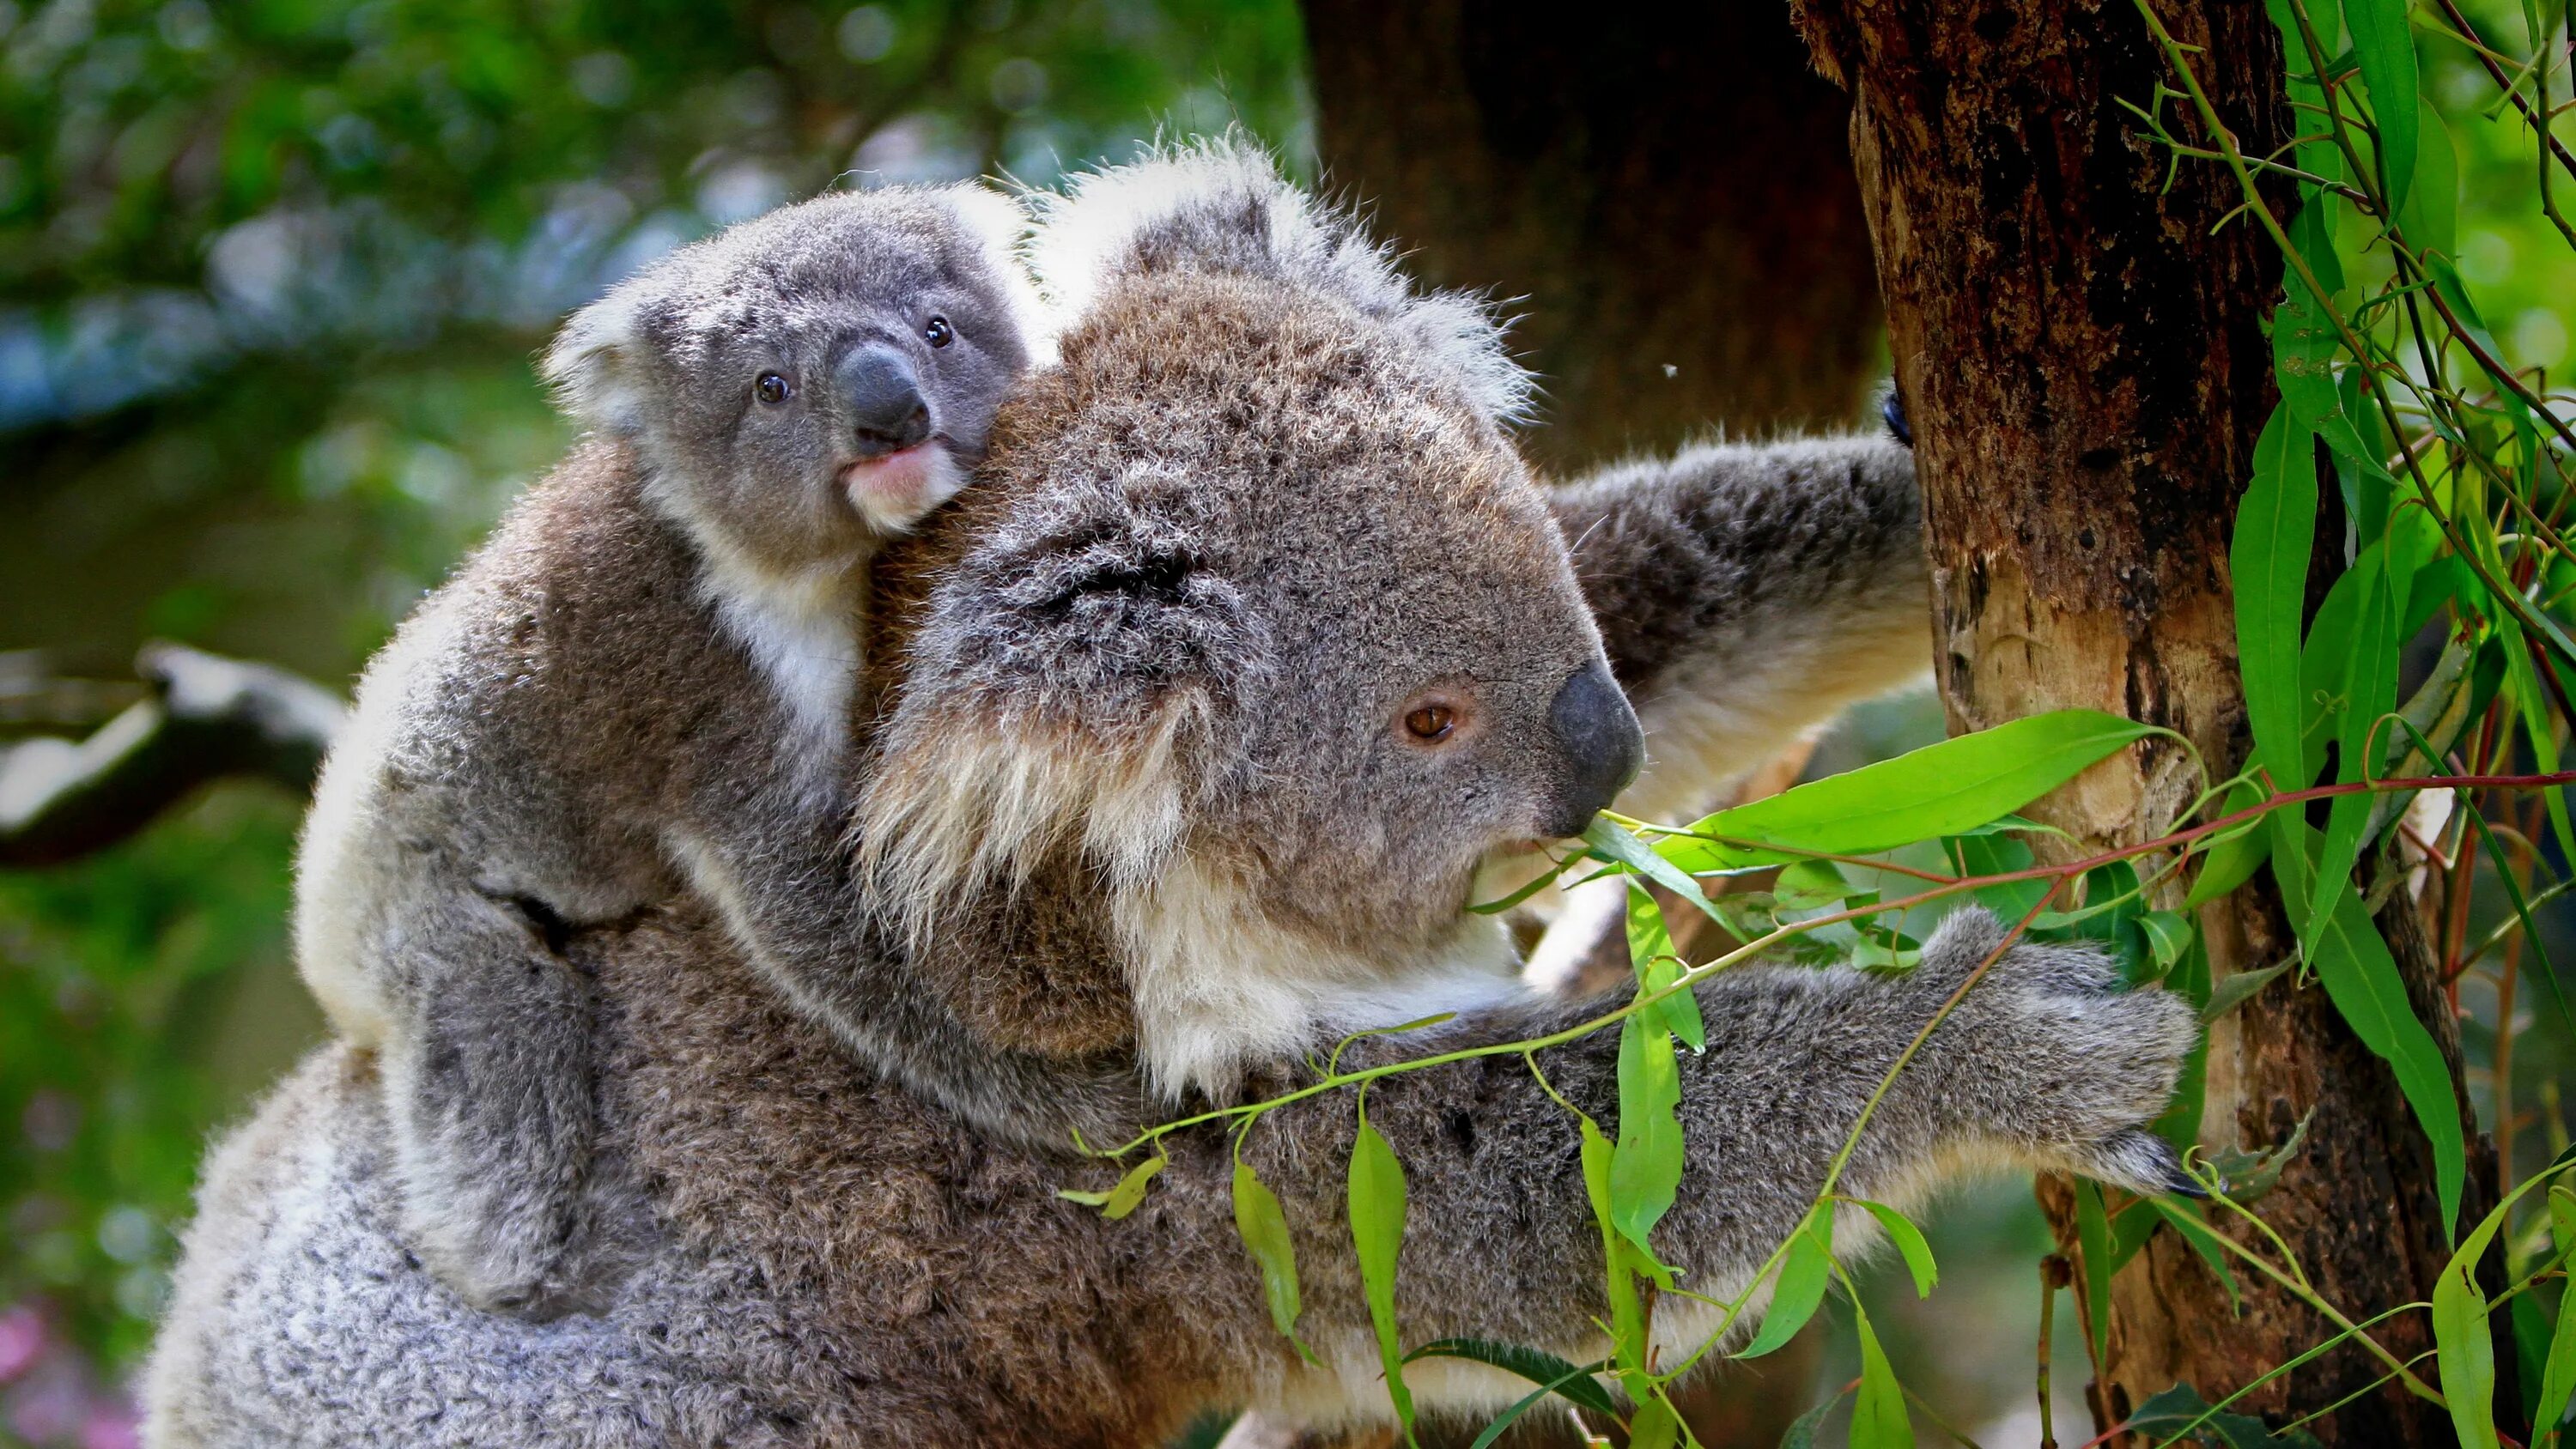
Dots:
pixel 593 365
pixel 999 222
pixel 1058 694
pixel 1221 205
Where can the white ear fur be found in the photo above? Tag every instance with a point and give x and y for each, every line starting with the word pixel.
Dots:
pixel 589 364
pixel 1001 222
pixel 1220 204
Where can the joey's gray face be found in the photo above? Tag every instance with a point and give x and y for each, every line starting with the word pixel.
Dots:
pixel 1237 513
pixel 819 376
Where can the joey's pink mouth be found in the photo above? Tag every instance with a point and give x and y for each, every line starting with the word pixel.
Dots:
pixel 896 488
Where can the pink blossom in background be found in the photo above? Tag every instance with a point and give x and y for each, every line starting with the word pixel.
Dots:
pixel 22 1340
pixel 111 1425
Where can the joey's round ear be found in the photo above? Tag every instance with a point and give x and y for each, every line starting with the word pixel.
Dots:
pixel 1060 693
pixel 1221 205
pixel 593 364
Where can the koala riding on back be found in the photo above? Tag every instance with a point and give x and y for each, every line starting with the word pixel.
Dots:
pixel 639 684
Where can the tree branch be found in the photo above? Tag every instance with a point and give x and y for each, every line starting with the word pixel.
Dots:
pixel 206 718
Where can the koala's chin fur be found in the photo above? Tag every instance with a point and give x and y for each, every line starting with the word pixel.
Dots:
pixel 1137 769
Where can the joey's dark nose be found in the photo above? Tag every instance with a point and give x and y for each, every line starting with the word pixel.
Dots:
pixel 883 397
pixel 1599 747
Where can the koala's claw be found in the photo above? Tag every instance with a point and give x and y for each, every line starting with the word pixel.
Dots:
pixel 1891 410
pixel 2140 1161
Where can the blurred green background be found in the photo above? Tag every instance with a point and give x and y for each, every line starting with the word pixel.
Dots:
pixel 271 274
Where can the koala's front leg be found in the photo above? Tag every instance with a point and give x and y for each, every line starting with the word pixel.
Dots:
pixel 1747 593
pixel 2045 1063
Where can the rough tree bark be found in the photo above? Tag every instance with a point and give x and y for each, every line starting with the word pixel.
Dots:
pixel 1667 188
pixel 2086 371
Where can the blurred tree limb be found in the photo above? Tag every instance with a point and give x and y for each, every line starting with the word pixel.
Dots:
pixel 203 718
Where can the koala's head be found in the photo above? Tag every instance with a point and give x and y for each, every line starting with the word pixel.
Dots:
pixel 802 384
pixel 1256 611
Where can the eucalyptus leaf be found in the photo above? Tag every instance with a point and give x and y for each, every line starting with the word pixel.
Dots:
pixel 1570 1381
pixel 1810 884
pixel 2180 1412
pixel 2385 46
pixel 1942 789
pixel 1627 1312
pixel 2360 977
pixel 2098 1261
pixel 1377 1233
pixel 1263 1228
pixel 1615 842
pixel 2370 685
pixel 2558 1372
pixel 1646 1165
pixel 2305 342
pixel 2168 935
pixel 1909 1243
pixel 1800 1288
pixel 2268 560
pixel 2238 989
pixel 2246 1176
pixel 1658 967
pixel 1879 1419
pixel 2431 216
pixel 2463 1346
pixel 1801 1433
pixel 1654 1426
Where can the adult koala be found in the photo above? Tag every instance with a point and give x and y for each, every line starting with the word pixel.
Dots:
pixel 1268 639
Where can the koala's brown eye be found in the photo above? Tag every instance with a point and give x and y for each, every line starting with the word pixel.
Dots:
pixel 1430 722
pixel 938 333
pixel 772 389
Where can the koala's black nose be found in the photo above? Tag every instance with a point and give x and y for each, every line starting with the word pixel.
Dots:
pixel 1599 743
pixel 883 396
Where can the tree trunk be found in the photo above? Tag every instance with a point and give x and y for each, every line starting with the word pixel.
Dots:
pixel 1667 192
pixel 2086 371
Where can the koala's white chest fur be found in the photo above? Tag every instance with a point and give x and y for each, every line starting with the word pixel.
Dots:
pixel 1218 987
pixel 803 631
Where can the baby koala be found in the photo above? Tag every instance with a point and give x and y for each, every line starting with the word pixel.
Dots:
pixel 640 684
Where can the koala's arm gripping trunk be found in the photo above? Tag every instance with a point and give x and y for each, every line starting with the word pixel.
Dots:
pixel 1747 594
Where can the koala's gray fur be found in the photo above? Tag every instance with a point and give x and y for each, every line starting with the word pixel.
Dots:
pixel 841 1259
pixel 845 1264
pixel 642 681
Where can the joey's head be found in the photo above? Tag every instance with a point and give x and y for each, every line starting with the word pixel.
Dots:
pixel 1255 608
pixel 807 382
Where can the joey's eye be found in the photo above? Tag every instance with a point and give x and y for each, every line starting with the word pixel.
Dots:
pixel 937 332
pixel 1430 722
pixel 772 389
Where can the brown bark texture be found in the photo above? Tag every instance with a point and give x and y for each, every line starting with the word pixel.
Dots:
pixel 2082 354
pixel 1664 194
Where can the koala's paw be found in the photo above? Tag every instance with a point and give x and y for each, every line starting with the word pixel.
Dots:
pixel 505 1243
pixel 2062 1065
pixel 498 1266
